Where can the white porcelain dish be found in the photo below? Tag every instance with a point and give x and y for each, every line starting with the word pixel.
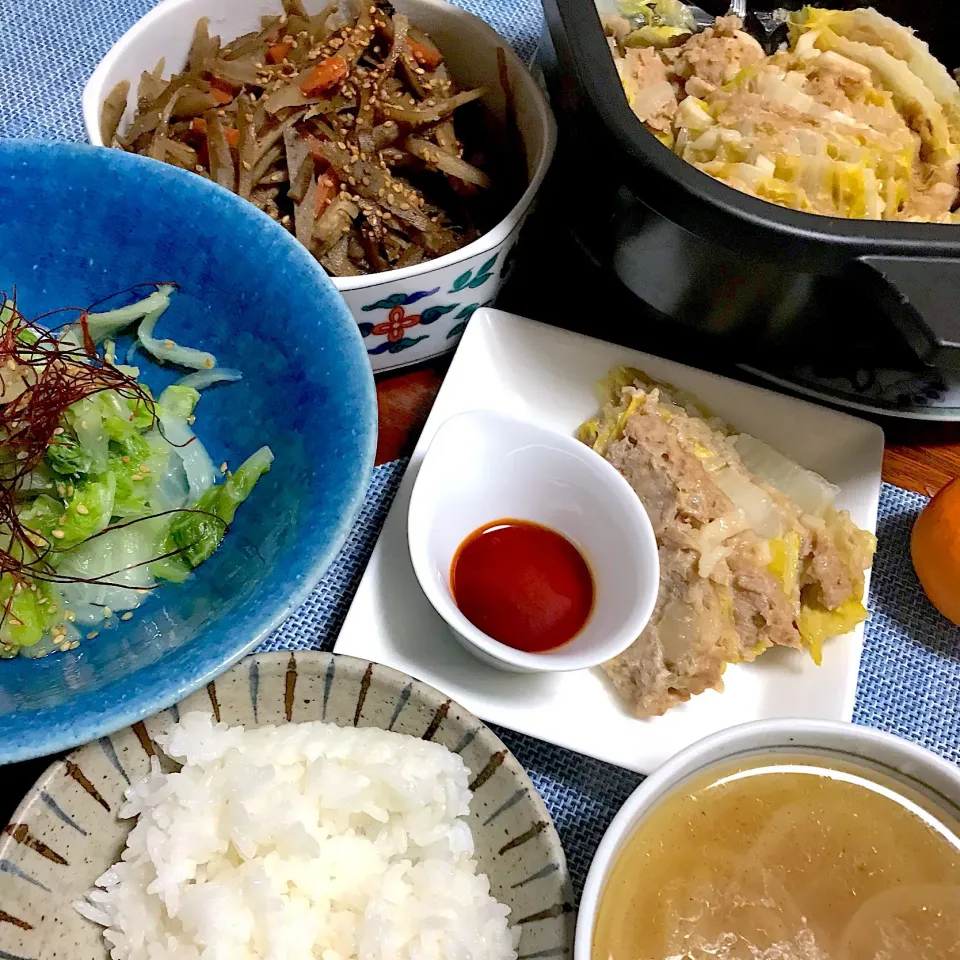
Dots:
pixel 409 315
pixel 914 765
pixel 484 466
pixel 548 376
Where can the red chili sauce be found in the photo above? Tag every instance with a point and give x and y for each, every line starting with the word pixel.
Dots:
pixel 522 584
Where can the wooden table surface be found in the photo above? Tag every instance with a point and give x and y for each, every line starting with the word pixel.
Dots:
pixel 921 456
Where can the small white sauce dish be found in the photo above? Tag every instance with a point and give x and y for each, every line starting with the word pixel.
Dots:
pixel 911 764
pixel 483 466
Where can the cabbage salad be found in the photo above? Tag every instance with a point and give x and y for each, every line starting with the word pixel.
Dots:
pixel 105 491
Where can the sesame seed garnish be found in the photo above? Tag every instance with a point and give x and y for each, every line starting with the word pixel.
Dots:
pixel 59 534
pixel 93 634
pixel 126 616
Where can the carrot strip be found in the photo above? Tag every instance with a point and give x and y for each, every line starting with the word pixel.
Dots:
pixel 277 52
pixel 326 74
pixel 221 91
pixel 315 148
pixel 199 125
pixel 327 187
pixel 428 57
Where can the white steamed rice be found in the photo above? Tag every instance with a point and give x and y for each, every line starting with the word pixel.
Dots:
pixel 306 841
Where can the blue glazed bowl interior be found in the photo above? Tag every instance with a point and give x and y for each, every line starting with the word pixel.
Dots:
pixel 81 223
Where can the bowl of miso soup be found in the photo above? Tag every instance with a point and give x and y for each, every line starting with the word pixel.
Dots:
pixel 782 840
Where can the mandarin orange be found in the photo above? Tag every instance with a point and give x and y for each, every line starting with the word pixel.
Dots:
pixel 935 550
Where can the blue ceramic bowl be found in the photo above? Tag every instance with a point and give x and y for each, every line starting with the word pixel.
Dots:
pixel 82 222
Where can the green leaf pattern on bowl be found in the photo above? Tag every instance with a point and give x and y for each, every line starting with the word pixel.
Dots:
pixel 468 280
pixel 400 300
pixel 395 346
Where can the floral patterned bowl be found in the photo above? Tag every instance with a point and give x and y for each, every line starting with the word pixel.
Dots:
pixel 409 315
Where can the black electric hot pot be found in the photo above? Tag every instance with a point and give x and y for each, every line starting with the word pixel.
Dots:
pixel 705 255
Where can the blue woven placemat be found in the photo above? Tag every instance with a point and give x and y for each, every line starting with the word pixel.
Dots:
pixel 910 673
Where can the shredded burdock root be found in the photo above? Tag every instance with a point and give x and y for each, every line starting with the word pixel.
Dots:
pixel 342 132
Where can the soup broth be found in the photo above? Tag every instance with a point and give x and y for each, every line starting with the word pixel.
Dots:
pixel 786 857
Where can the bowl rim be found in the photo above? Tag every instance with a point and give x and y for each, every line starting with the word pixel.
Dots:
pixel 93 94
pixel 850 739
pixel 560 659
pixel 52 729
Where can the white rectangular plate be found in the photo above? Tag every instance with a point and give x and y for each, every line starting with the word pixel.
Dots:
pixel 532 370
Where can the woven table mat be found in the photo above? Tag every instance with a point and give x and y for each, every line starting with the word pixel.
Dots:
pixel 909 680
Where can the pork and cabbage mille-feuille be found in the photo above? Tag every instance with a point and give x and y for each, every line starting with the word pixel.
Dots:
pixel 851 117
pixel 342 129
pixel 753 551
